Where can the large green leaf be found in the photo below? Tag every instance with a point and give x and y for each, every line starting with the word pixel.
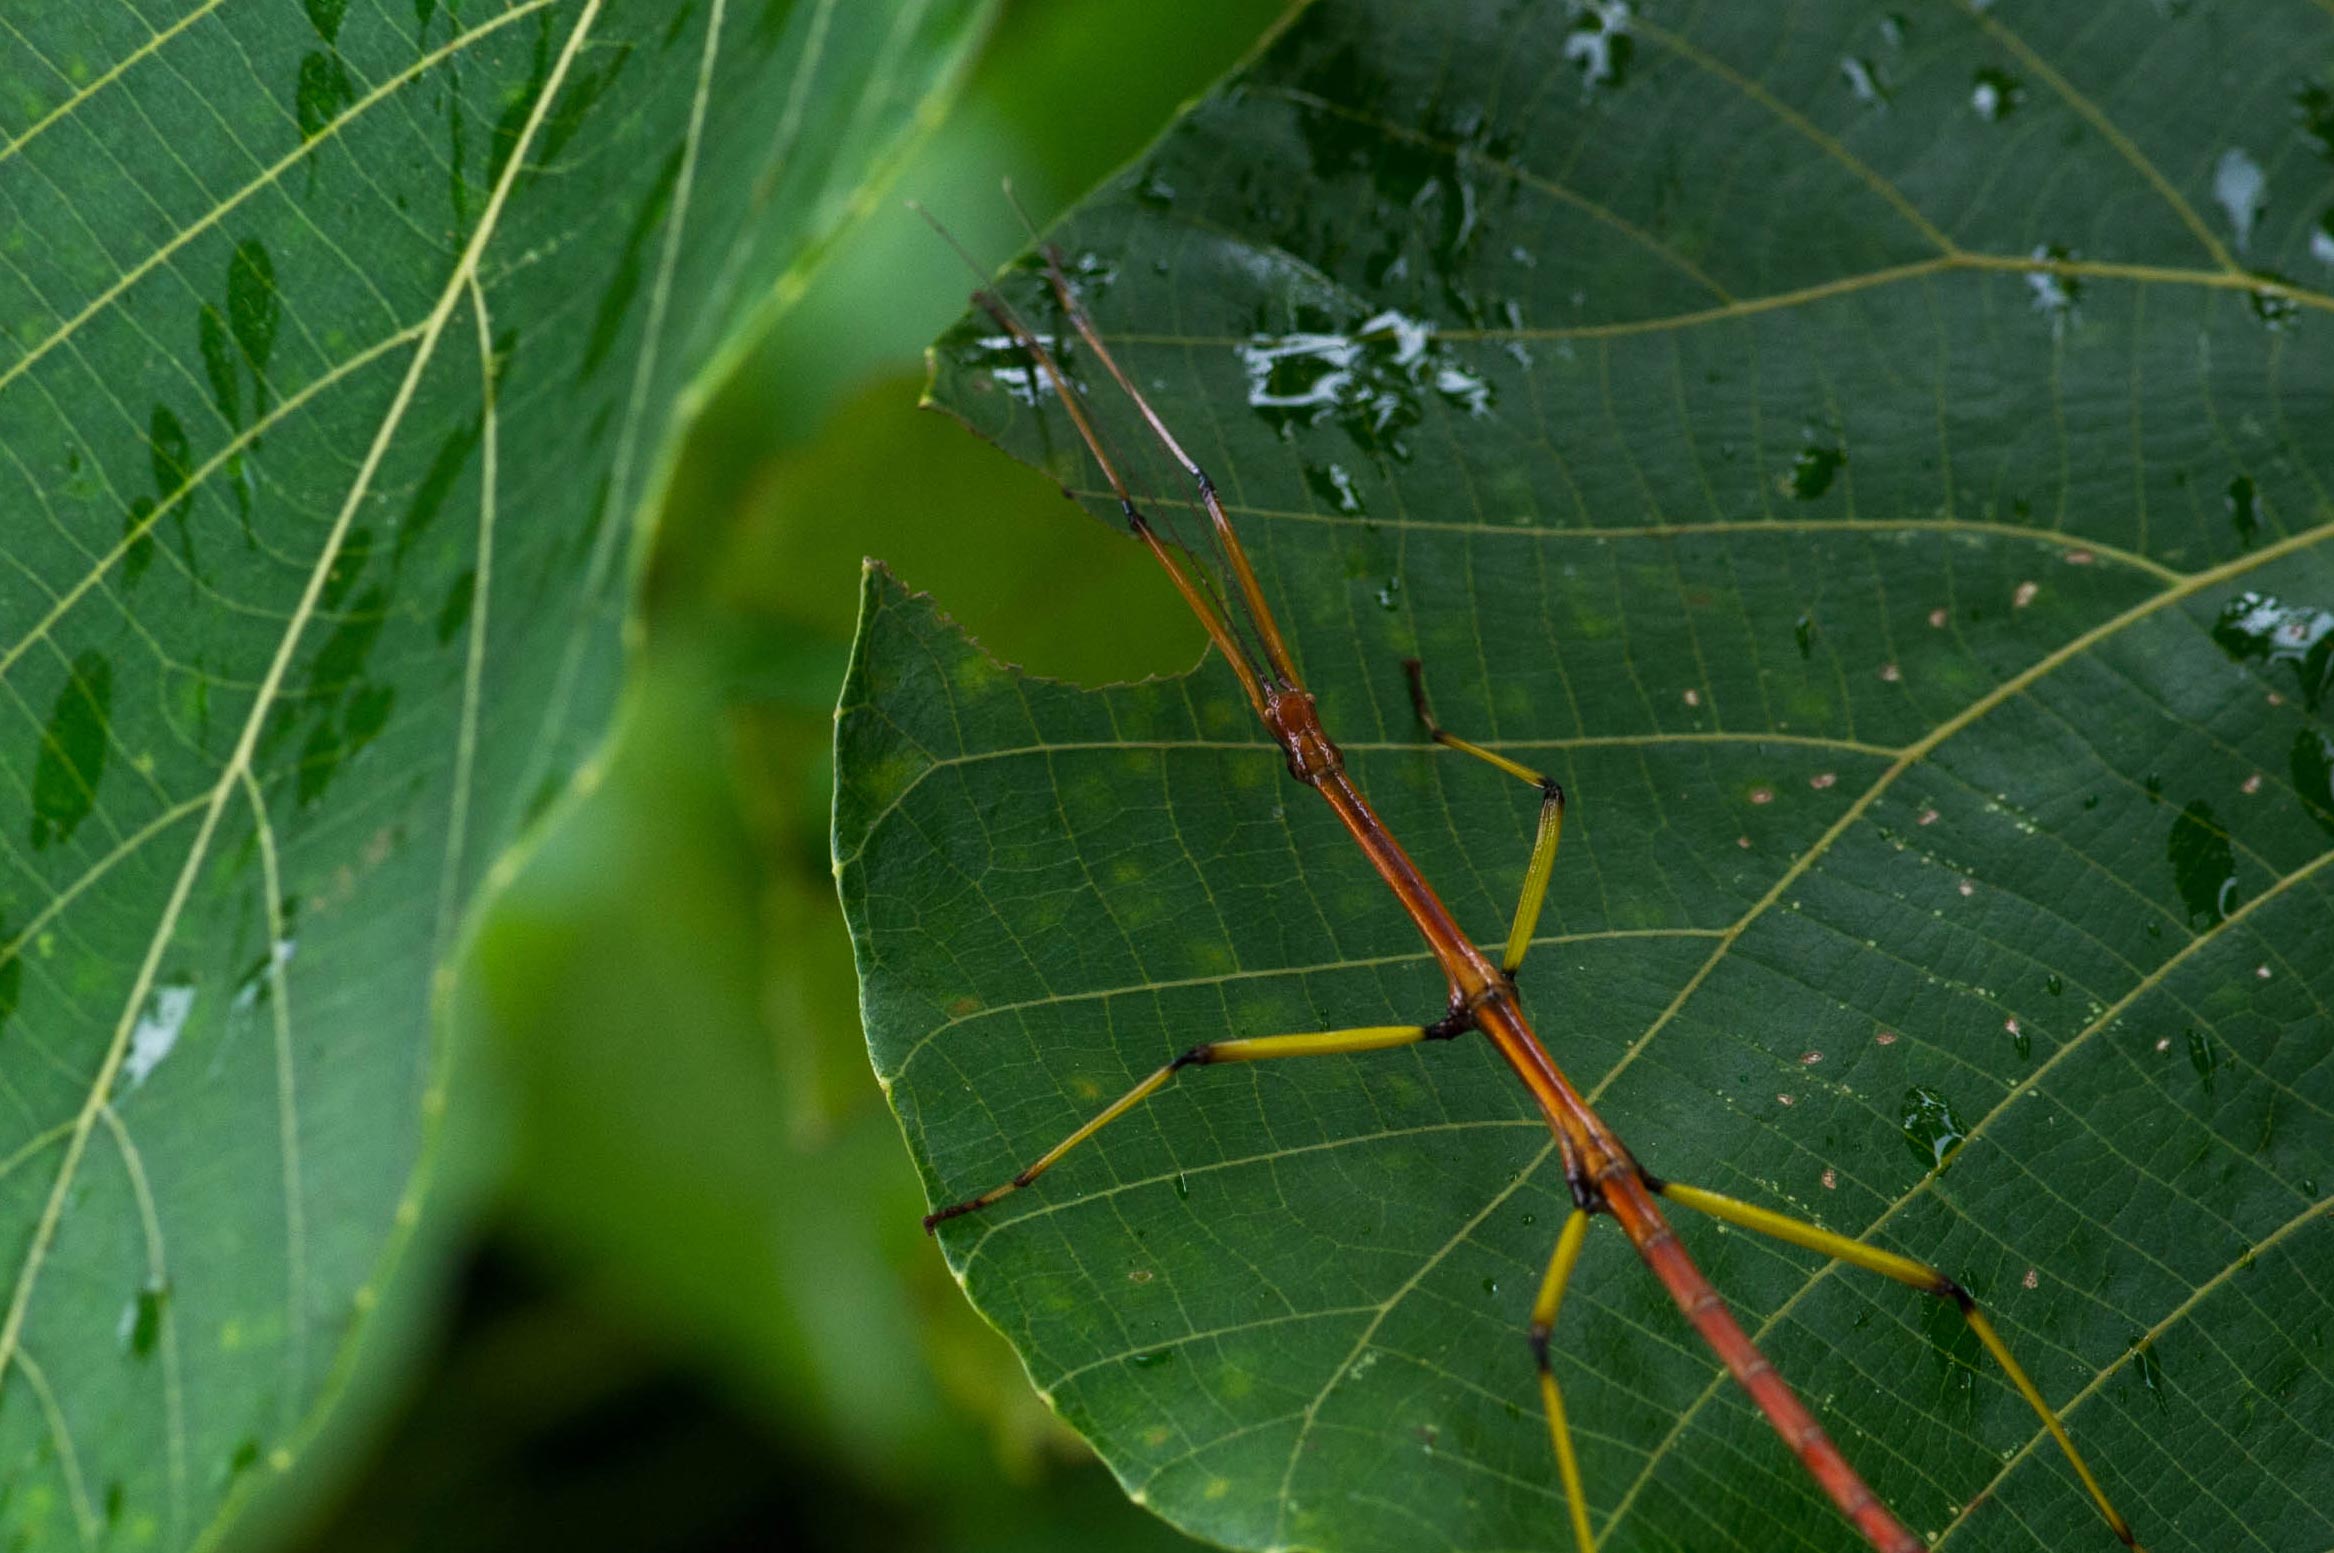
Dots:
pixel 1853 450
pixel 345 345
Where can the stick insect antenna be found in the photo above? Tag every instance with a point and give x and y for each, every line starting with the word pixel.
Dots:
pixel 1013 200
pixel 1210 613
pixel 1211 616
pixel 1259 613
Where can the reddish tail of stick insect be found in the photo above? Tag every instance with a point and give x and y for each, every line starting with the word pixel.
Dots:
pixel 1604 1177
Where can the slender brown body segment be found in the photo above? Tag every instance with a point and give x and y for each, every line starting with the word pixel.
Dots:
pixel 1604 1177
pixel 1601 1170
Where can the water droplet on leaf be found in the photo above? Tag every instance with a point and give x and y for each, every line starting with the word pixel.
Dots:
pixel 323 93
pixel 2204 1056
pixel 2149 1368
pixel 1931 1126
pixel 2242 189
pixel 2259 626
pixel 2057 293
pixel 1599 45
pixel 2312 768
pixel 1995 94
pixel 73 748
pixel 2242 516
pixel 1373 380
pixel 2313 109
pixel 143 1320
pixel 2274 305
pixel 1812 472
pixel 1864 81
pixel 1333 486
pixel 158 1029
pixel 2204 868
pixel 1008 366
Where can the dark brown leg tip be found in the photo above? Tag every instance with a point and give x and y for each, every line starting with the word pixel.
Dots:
pixel 1415 671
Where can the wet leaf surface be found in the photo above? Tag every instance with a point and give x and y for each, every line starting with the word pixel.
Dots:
pixel 1867 457
pixel 344 350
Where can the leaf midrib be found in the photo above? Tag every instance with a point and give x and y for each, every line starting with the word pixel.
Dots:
pixel 2227 273
pixel 2031 1084
pixel 2177 1314
pixel 2183 586
pixel 1920 749
pixel 97 1101
pixel 2192 585
pixel 1961 261
pixel 219 211
pixel 1521 528
pixel 1902 758
pixel 2228 277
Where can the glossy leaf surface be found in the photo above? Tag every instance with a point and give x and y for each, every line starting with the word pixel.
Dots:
pixel 1867 455
pixel 345 344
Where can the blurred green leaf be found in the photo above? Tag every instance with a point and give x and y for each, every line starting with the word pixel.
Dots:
pixel 1868 460
pixel 739 1189
pixel 1068 596
pixel 1065 92
pixel 348 345
pixel 698 1147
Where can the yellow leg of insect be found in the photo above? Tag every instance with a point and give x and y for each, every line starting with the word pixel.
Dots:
pixel 1325 1043
pixel 1527 909
pixel 1543 1322
pixel 1920 1276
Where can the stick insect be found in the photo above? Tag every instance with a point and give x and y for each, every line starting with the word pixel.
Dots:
pixel 1605 1179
